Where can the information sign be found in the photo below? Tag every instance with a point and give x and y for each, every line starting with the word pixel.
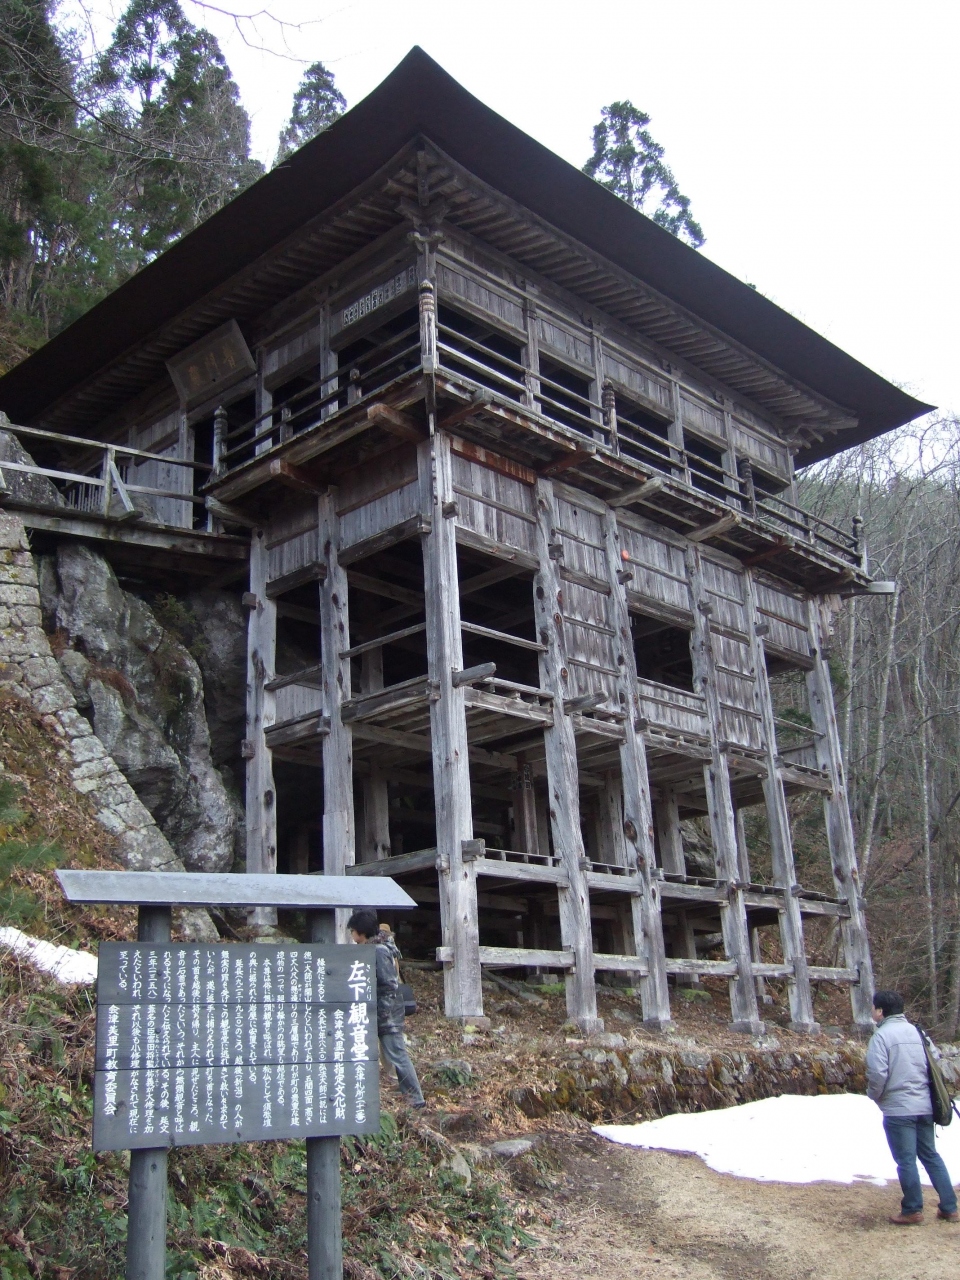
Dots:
pixel 237 1042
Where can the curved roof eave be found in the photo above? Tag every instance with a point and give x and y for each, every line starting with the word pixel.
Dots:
pixel 420 98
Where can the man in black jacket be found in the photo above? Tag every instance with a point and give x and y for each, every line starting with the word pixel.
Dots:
pixel 363 927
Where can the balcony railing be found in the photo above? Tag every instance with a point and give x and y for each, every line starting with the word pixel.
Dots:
pixel 109 481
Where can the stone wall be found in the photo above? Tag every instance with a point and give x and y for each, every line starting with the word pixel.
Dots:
pixel 28 668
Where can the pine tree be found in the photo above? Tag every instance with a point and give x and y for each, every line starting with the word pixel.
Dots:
pixel 316 104
pixel 627 161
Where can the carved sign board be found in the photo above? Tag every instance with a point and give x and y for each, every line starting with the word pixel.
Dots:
pixel 377 297
pixel 238 1042
pixel 211 365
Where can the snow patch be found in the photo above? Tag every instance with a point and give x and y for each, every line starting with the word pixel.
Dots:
pixel 63 963
pixel 831 1138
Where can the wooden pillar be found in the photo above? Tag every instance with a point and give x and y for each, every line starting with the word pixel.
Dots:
pixel 463 996
pixel 525 810
pixel 612 843
pixel 668 831
pixel 261 799
pixel 723 825
pixel 375 844
pixel 563 779
pixel 781 840
pixel 637 824
pixel 840 841
pixel 339 850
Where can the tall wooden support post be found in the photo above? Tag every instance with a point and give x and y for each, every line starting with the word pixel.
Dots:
pixel 723 825
pixel 147 1197
pixel 261 800
pixel 781 840
pixel 674 863
pixel 375 845
pixel 840 841
pixel 563 780
pixel 448 728
pixel 525 809
pixel 637 805
pixel 324 1214
pixel 338 818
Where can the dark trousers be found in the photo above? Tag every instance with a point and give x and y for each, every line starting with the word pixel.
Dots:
pixel 911 1139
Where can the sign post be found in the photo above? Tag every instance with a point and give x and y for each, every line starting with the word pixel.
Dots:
pixel 235 1042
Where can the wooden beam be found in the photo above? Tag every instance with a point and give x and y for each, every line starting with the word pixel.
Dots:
pixel 730 521
pixel 516 958
pixel 484 671
pixel 572 459
pixel 296 578
pixel 638 492
pixel 396 423
pixel 389 590
pixel 481 399
pixel 292 477
pixel 232 515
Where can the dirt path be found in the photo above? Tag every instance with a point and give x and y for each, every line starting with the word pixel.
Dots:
pixel 631 1214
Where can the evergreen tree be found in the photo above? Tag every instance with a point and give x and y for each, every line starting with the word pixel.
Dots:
pixel 167 86
pixel 627 161
pixel 316 104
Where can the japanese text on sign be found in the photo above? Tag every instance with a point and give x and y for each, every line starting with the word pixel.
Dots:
pixel 234 1043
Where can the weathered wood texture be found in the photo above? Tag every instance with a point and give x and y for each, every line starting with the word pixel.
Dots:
pixel 840 839
pixel 733 916
pixel 562 774
pixel 448 730
pixel 261 807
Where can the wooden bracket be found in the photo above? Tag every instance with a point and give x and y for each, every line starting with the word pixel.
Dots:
pixel 638 492
pixel 586 702
pixel 450 510
pixel 624 576
pixel 480 400
pixel 293 477
pixel 723 525
pixel 781 544
pixel 571 459
pixel 396 423
pixel 484 671
pixel 247 749
pixel 249 600
pixel 232 515
pixel 470 850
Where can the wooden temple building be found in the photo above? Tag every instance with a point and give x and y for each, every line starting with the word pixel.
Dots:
pixel 509 471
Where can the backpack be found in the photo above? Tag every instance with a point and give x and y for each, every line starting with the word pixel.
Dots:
pixel 942 1104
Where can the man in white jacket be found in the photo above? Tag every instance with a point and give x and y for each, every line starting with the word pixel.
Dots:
pixel 898 1082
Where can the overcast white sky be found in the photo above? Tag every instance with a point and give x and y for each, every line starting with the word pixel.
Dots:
pixel 817 141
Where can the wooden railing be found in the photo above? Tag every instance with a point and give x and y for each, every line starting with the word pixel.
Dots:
pixel 104 480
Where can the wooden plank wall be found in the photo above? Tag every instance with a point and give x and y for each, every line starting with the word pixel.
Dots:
pixel 785 613
pixel 724 590
pixel 377 496
pixel 166 437
pixel 495 505
pixel 659 574
pixel 586 607
pixel 292 536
